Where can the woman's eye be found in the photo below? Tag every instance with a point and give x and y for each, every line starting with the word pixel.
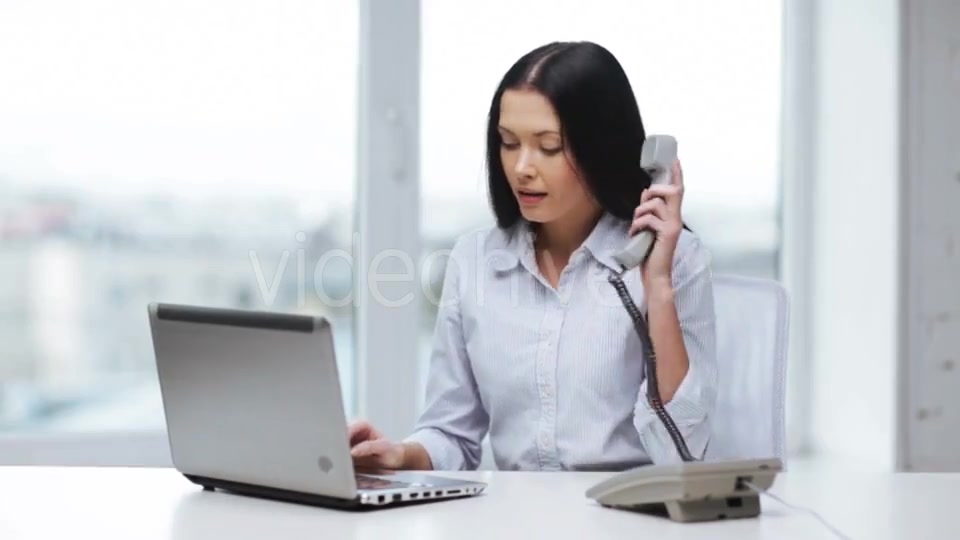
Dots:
pixel 552 151
pixel 509 146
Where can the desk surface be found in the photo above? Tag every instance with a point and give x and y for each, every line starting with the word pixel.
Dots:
pixel 106 504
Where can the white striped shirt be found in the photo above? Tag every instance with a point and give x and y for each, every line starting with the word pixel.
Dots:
pixel 555 377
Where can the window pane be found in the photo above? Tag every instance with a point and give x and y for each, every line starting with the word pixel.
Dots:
pixel 190 152
pixel 708 73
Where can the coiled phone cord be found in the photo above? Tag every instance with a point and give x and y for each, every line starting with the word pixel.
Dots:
pixel 653 390
pixel 653 396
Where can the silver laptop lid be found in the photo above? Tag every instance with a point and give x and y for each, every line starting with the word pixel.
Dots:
pixel 253 397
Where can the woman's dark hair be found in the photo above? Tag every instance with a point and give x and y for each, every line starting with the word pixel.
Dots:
pixel 599 120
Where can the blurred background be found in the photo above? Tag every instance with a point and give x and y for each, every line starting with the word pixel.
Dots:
pixel 210 153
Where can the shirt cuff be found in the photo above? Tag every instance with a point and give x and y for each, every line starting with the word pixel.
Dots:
pixel 445 454
pixel 687 413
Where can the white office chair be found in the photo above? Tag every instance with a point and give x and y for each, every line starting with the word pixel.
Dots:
pixel 752 334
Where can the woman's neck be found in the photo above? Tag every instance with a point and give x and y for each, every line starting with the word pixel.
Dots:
pixel 563 236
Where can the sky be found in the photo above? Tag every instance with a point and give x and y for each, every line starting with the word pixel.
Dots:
pixel 242 97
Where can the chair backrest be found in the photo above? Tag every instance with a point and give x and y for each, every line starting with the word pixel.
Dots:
pixel 752 335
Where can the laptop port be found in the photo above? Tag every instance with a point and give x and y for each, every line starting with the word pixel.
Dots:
pixel 414 495
pixel 453 492
pixel 382 499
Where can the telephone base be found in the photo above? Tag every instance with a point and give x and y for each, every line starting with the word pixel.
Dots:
pixel 740 506
pixel 690 491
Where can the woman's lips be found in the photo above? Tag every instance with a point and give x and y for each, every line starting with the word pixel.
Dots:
pixel 530 197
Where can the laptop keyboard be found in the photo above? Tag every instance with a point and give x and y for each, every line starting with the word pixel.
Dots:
pixel 372 482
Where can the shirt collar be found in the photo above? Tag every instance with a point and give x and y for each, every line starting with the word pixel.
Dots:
pixel 608 236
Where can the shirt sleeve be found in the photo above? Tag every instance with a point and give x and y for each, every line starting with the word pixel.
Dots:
pixel 693 403
pixel 454 421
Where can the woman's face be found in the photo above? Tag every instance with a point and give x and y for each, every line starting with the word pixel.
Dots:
pixel 541 171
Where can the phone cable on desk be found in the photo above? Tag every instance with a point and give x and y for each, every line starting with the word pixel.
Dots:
pixel 823 521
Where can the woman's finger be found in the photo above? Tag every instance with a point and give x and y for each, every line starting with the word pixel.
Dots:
pixel 360 431
pixel 676 176
pixel 665 191
pixel 372 463
pixel 655 206
pixel 362 449
pixel 646 222
pixel 380 453
pixel 371 448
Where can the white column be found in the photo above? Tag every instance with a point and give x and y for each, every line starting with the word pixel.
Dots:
pixel 798 155
pixel 855 227
pixel 388 214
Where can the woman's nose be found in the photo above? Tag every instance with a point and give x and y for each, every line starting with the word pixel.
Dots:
pixel 524 165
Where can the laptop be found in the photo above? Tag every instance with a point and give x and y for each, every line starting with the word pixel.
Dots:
pixel 253 406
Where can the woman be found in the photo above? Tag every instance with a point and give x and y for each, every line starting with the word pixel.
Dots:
pixel 532 345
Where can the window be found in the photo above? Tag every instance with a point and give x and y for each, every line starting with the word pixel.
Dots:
pixel 197 152
pixel 185 152
pixel 705 72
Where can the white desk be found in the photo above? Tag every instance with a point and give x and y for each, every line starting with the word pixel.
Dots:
pixel 108 504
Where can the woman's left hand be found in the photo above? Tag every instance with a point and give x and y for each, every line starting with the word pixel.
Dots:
pixel 659 211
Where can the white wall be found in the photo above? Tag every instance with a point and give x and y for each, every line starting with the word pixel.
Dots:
pixel 930 376
pixel 855 223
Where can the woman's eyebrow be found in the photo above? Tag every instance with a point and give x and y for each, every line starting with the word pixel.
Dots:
pixel 538 133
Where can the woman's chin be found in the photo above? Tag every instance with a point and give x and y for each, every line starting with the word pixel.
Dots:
pixel 534 215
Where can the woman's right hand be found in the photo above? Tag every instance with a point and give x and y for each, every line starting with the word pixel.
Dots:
pixel 371 450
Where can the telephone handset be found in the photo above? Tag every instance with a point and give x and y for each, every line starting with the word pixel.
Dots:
pixel 693 490
pixel 657 157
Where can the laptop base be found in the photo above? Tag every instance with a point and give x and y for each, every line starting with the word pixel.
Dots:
pixel 276 494
pixel 309 499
